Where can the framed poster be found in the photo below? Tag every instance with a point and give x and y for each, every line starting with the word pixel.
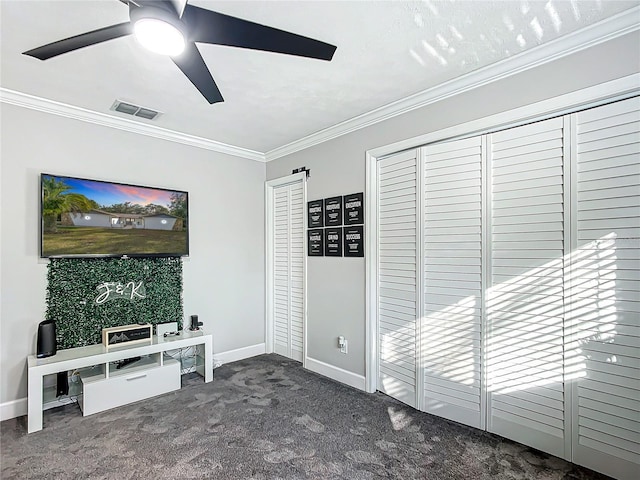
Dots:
pixel 315 243
pixel 353 209
pixel 333 212
pixel 315 214
pixel 333 242
pixel 354 241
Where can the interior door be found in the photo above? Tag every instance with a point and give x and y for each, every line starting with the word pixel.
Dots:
pixel 525 302
pixel 451 330
pixel 604 311
pixel 288 265
pixel 398 293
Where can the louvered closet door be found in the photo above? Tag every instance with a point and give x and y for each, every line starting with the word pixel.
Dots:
pixel 525 303
pixel 397 284
pixel 288 315
pixel 296 271
pixel 451 323
pixel 604 312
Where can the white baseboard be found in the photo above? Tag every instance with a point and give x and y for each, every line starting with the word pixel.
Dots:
pixel 239 354
pixel 13 409
pixel 335 373
pixel 18 408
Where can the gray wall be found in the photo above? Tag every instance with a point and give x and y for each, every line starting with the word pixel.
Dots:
pixel 224 275
pixel 338 168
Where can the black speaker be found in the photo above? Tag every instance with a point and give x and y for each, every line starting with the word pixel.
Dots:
pixel 195 323
pixel 46 339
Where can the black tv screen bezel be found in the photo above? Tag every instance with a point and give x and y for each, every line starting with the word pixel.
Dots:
pixel 110 255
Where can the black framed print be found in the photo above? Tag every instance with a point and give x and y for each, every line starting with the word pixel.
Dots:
pixel 333 242
pixel 315 214
pixel 353 209
pixel 333 211
pixel 315 243
pixel 354 241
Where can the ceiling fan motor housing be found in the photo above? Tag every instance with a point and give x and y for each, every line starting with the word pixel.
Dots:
pixel 158 11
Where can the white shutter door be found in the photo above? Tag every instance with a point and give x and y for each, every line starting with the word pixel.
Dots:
pixel 451 323
pixel 397 296
pixel 604 315
pixel 288 295
pixel 282 331
pixel 525 304
pixel 296 272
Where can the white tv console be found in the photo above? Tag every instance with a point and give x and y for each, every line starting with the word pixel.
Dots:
pixel 105 387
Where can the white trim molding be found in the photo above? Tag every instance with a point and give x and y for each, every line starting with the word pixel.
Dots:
pixel 238 354
pixel 20 407
pixel 13 409
pixel 336 373
pixel 608 29
pixel 40 104
pixel 607 92
pixel 371 272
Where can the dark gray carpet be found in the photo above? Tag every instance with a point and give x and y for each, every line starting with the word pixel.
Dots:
pixel 266 418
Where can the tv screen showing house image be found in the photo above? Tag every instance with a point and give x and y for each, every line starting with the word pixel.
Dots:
pixel 87 218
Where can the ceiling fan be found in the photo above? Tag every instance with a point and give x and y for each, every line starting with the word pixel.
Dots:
pixel 172 27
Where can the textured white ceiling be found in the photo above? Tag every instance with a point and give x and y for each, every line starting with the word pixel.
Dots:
pixel 387 50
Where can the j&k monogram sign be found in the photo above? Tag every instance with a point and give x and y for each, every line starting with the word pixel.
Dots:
pixel 117 290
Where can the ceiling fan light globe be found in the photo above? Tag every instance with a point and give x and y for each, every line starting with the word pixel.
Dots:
pixel 159 36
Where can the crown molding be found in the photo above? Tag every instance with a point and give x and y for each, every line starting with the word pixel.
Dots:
pixel 612 91
pixel 608 29
pixel 40 104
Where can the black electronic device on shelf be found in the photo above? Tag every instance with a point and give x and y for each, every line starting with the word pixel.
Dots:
pixel 195 324
pixel 62 384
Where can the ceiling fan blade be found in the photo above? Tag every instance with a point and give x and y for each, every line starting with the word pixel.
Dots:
pixel 192 65
pixel 80 41
pixel 173 6
pixel 207 26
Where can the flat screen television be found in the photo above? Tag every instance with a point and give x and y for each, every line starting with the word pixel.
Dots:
pixel 92 218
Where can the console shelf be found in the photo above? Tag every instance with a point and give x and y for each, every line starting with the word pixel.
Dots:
pixel 107 387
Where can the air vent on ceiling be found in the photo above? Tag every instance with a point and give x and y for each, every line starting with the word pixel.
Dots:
pixel 135 110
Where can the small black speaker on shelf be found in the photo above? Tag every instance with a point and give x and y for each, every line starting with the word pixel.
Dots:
pixel 46 339
pixel 195 323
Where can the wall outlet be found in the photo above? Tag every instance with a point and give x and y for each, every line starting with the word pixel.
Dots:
pixel 342 344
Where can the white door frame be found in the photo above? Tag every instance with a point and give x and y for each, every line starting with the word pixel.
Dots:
pixel 618 89
pixel 270 186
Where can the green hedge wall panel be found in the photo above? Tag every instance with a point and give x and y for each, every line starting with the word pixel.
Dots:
pixel 86 295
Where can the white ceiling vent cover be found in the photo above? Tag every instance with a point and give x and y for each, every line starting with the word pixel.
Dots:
pixel 135 110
